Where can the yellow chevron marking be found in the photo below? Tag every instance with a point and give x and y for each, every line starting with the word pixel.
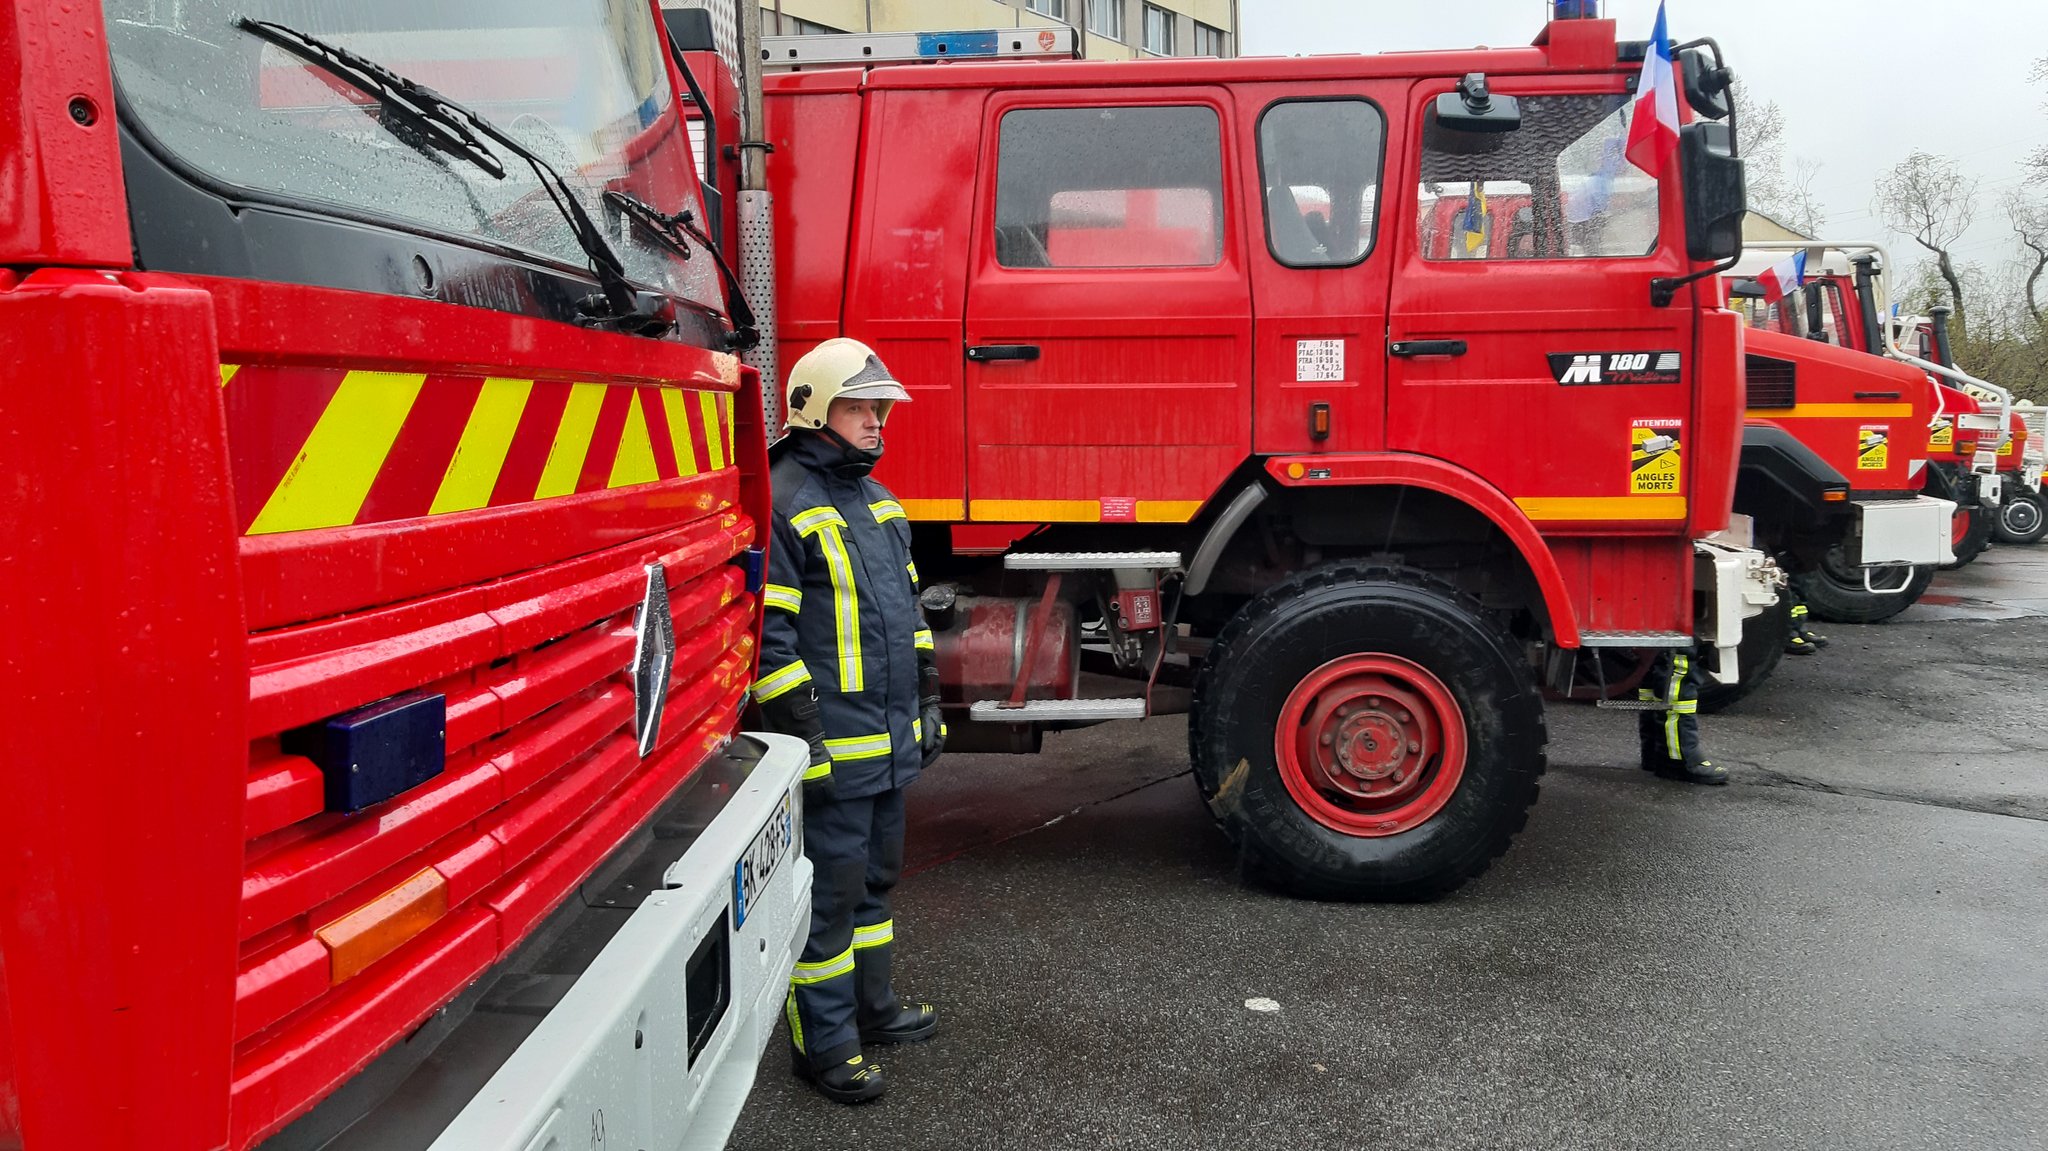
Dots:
pixel 572 442
pixel 326 485
pixel 725 424
pixel 635 464
pixel 480 456
pixel 714 437
pixel 227 372
pixel 675 405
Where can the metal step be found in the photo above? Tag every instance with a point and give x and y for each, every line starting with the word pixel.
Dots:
pixel 1634 639
pixel 1089 561
pixel 1057 710
pixel 1632 704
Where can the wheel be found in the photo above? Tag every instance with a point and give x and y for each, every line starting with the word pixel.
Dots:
pixel 1764 638
pixel 1367 732
pixel 1834 591
pixel 2021 519
pixel 1972 534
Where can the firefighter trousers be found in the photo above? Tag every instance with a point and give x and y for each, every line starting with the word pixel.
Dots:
pixel 843 978
pixel 1673 734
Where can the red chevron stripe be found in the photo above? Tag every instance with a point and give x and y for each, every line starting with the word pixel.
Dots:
pixel 412 473
pixel 694 408
pixel 657 431
pixel 270 412
pixel 528 456
pixel 604 440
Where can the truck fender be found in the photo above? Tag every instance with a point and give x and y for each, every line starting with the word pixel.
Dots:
pixel 1780 471
pixel 1400 469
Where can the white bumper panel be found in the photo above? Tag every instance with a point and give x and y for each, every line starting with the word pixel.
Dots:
pixel 610 1066
pixel 1900 532
pixel 1740 582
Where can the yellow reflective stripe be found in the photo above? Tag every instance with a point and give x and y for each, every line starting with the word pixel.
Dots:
pixel 1680 665
pixel 782 681
pixel 874 935
pixel 859 747
pixel 811 519
pixel 572 442
pixel 787 598
pixel 917 729
pixel 817 771
pixel 845 609
pixel 923 637
pixel 714 439
pixel 635 462
pixel 912 569
pixel 796 1025
pixel 227 372
pixel 327 483
pixel 809 973
pixel 480 454
pixel 886 510
pixel 676 410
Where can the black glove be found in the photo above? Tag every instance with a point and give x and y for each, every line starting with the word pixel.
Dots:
pixel 930 717
pixel 796 713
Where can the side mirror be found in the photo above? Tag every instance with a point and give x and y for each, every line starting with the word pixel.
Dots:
pixel 1706 84
pixel 1472 108
pixel 1716 195
pixel 1746 290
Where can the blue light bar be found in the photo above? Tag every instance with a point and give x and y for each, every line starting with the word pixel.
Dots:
pixel 1577 10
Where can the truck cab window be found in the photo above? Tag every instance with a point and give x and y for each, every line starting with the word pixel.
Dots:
pixel 1559 187
pixel 1319 163
pixel 1109 188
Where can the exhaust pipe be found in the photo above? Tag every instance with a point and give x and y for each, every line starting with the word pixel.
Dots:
pixel 1939 314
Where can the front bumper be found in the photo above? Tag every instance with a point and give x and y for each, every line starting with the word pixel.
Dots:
pixel 1904 533
pixel 1739 582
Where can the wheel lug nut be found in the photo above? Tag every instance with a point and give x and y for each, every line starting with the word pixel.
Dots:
pixel 1405 717
pixel 1328 739
pixel 1414 747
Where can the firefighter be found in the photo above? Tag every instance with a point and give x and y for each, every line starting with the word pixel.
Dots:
pixel 1670 733
pixel 1803 640
pixel 847 664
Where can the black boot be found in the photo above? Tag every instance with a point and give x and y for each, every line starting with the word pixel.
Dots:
pixel 913 1023
pixel 1704 771
pixel 855 1079
pixel 884 1018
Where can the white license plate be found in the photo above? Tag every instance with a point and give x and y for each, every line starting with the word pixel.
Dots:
pixel 768 852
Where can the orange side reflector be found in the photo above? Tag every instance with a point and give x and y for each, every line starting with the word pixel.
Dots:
pixel 379 927
pixel 1835 497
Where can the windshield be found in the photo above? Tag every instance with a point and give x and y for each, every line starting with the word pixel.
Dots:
pixel 581 82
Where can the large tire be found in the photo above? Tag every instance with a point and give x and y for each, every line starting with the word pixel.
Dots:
pixel 1834 591
pixel 1764 637
pixel 1972 535
pixel 1413 729
pixel 2022 519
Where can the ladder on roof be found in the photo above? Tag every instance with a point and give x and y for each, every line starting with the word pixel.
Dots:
pixel 839 49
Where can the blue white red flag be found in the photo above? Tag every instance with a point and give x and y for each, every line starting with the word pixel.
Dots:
pixel 1653 125
pixel 1785 277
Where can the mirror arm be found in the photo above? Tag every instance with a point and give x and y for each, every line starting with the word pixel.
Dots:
pixel 1664 288
pixel 1720 66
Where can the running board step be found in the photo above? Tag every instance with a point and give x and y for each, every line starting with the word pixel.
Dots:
pixel 1634 639
pixel 1088 561
pixel 1058 710
pixel 1632 704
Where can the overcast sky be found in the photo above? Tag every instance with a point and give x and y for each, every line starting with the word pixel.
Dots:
pixel 1862 82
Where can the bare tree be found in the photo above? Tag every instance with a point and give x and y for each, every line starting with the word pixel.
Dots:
pixel 2028 213
pixel 1784 195
pixel 1927 198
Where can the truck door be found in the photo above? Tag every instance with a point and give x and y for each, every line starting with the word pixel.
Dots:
pixel 1522 344
pixel 1108 336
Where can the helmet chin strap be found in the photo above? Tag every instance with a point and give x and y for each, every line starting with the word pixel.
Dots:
pixel 854 454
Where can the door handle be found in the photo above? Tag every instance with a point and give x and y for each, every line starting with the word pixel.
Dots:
pixel 982 353
pixel 1411 348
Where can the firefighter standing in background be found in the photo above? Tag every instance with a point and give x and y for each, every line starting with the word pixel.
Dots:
pixel 847 664
pixel 1671 735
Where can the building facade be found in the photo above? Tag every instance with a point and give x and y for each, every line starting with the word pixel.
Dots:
pixel 1111 29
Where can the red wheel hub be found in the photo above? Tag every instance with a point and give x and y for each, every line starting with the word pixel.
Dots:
pixel 1371 745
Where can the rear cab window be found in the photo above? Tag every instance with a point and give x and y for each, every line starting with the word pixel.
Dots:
pixel 1319 166
pixel 1109 187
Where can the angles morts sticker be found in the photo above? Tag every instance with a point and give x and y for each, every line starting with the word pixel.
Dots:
pixel 1615 367
pixel 1655 455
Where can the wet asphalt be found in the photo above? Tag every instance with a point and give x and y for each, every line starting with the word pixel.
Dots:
pixel 1846 948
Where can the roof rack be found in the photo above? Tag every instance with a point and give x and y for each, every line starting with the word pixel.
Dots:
pixel 839 49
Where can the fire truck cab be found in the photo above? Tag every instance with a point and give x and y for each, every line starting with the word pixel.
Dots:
pixel 1209 383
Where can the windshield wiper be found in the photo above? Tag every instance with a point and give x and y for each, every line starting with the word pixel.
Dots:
pixel 447 126
pixel 676 231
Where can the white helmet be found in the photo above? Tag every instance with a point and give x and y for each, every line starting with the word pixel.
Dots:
pixel 838 369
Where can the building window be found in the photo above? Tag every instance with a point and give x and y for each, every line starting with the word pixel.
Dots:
pixel 1320 160
pixel 1057 9
pixel 1158 30
pixel 1109 188
pixel 1210 41
pixel 1106 18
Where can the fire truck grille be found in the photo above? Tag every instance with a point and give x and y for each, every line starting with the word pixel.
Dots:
pixel 1773 383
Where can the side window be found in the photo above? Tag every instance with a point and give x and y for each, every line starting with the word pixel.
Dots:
pixel 1109 188
pixel 1559 187
pixel 1319 163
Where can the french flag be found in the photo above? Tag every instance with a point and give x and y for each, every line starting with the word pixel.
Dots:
pixel 1785 277
pixel 1653 127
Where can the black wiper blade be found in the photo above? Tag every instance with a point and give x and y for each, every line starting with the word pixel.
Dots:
pixel 677 230
pixel 437 121
pixel 453 128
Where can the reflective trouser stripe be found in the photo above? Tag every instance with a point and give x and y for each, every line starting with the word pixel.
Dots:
pixel 796 1023
pixel 782 681
pixel 923 639
pixel 845 610
pixel 917 729
pixel 807 974
pixel 874 935
pixel 1681 666
pixel 1798 611
pixel 855 747
pixel 783 596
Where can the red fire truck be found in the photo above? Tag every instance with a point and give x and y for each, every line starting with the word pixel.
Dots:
pixel 1191 386
pixel 379 587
